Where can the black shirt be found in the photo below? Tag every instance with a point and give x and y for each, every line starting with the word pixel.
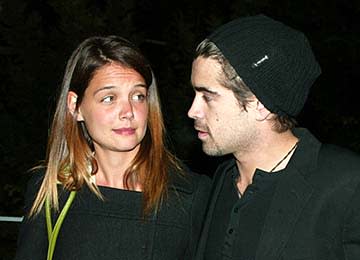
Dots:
pixel 238 220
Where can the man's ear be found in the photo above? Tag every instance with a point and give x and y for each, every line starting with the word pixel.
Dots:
pixel 71 103
pixel 262 112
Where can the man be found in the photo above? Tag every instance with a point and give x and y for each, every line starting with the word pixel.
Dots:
pixel 284 195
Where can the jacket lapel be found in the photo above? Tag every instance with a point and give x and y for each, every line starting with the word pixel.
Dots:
pixel 291 195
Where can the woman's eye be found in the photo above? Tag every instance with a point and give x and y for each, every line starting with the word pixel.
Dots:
pixel 139 97
pixel 107 99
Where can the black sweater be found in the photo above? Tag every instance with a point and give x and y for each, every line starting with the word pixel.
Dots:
pixel 115 229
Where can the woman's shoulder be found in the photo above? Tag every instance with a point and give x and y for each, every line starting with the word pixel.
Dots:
pixel 33 185
pixel 36 176
pixel 188 181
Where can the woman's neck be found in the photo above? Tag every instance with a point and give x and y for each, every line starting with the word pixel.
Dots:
pixel 112 167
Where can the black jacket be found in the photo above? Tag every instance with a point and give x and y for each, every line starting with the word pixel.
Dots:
pixel 315 210
pixel 115 229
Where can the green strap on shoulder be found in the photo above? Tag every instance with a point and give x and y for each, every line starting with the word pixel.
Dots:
pixel 53 234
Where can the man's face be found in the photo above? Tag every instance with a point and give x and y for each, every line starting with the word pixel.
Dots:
pixel 223 125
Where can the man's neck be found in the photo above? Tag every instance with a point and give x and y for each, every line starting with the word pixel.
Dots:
pixel 274 149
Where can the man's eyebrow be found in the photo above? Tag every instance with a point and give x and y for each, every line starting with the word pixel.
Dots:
pixel 205 89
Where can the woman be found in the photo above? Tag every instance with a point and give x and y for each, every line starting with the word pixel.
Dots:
pixel 110 189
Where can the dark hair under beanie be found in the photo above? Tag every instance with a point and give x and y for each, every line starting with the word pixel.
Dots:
pixel 275 61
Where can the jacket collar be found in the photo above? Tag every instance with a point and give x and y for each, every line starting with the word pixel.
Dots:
pixel 306 155
pixel 291 195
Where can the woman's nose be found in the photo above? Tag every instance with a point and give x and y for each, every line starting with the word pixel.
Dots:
pixel 126 110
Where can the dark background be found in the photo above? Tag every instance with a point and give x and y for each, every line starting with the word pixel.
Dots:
pixel 37 37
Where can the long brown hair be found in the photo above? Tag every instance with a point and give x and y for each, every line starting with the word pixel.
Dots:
pixel 70 149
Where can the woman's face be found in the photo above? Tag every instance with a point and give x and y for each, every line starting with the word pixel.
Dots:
pixel 115 109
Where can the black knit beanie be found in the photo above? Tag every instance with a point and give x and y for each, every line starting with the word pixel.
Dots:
pixel 275 61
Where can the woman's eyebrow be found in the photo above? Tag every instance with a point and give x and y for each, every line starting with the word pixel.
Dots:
pixel 140 85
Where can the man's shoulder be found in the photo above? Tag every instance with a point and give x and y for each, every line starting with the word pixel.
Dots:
pixel 338 165
pixel 336 155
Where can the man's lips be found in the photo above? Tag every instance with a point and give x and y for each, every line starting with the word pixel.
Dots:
pixel 201 133
pixel 124 131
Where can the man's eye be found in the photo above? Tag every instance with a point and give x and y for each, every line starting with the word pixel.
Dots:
pixel 107 99
pixel 207 98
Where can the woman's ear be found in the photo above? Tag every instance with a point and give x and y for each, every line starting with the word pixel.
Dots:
pixel 71 103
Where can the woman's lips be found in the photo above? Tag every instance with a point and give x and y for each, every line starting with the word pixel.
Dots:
pixel 124 131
